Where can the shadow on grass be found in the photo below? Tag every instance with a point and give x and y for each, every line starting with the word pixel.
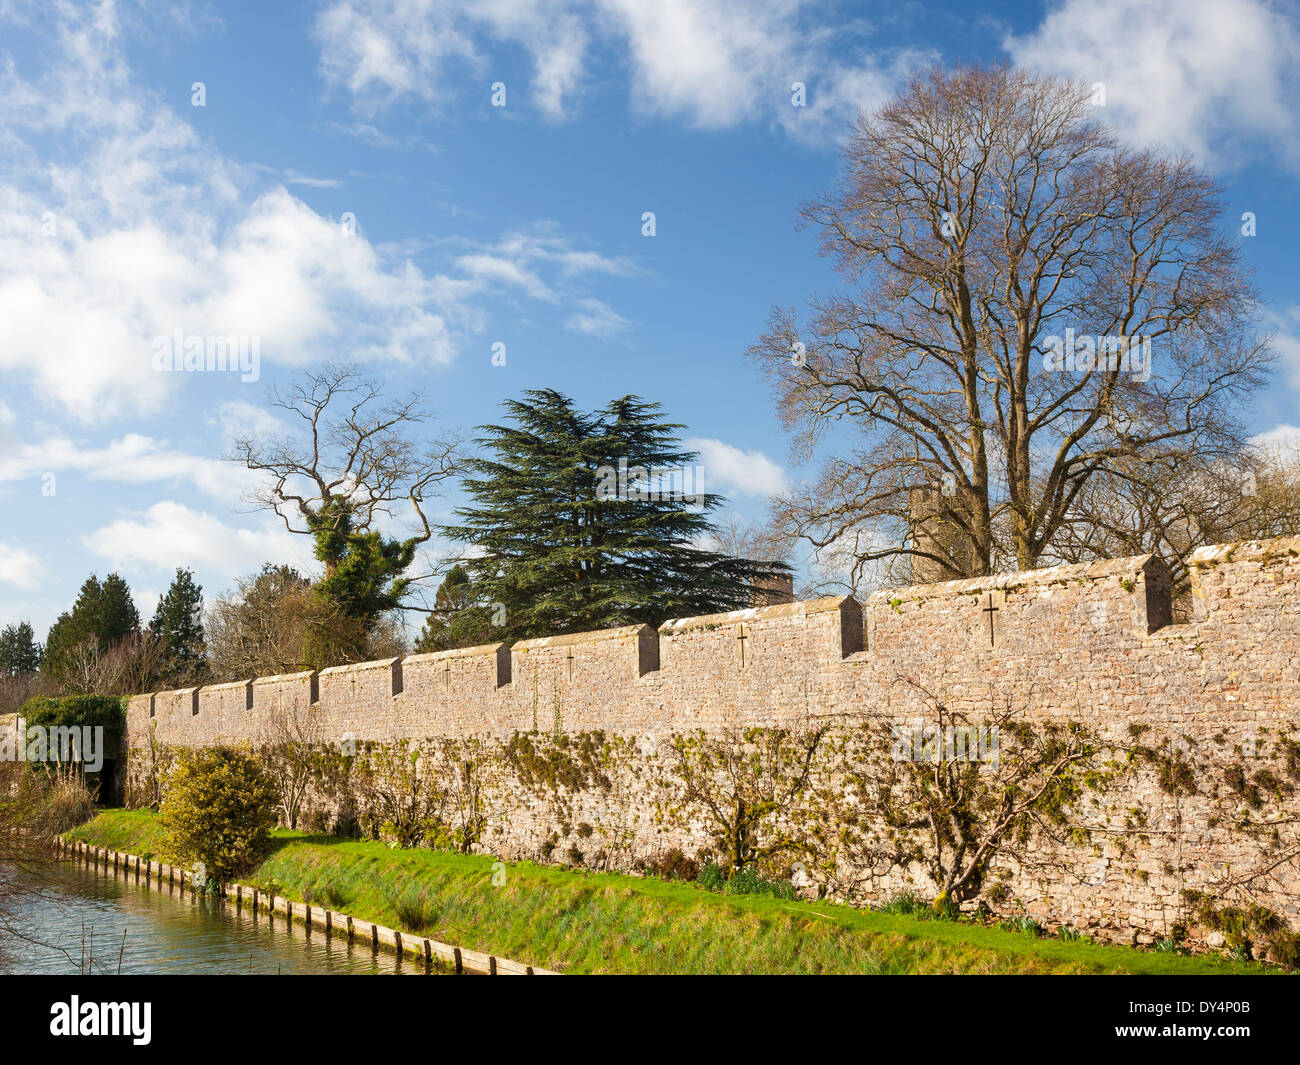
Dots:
pixel 282 839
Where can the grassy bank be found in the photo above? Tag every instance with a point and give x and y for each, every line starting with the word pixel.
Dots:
pixel 604 922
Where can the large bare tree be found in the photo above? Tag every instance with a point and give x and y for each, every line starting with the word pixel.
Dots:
pixel 1171 507
pixel 1011 266
pixel 353 467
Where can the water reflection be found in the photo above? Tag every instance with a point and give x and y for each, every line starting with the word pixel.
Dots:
pixel 73 911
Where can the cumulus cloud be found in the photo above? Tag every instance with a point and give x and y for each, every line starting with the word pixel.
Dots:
pixel 170 534
pixel 710 63
pixel 131 459
pixel 1208 77
pixel 734 471
pixel 1282 441
pixel 119 225
pixel 19 567
pixel 147 231
pixel 1205 76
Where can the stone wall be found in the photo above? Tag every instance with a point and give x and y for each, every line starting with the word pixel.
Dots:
pixel 1090 643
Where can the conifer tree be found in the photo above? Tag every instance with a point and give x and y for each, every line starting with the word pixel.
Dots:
pixel 589 520
pixel 178 622
pixel 456 620
pixel 103 614
pixel 20 654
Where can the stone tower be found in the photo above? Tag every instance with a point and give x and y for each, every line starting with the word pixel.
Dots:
pixel 933 529
pixel 773 591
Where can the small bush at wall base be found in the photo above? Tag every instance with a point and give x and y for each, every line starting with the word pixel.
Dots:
pixel 711 877
pixel 944 908
pixel 904 902
pixel 676 866
pixel 748 882
pixel 218 808
pixel 1250 931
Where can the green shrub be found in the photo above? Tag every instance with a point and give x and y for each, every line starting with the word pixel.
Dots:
pixel 905 902
pixel 1251 931
pixel 676 866
pixel 944 908
pixel 218 808
pixel 102 711
pixel 711 877
pixel 748 881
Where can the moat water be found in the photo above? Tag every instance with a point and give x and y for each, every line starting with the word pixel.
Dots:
pixel 70 917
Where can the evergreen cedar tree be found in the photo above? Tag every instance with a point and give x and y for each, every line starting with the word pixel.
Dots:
pixel 104 613
pixel 20 654
pixel 178 623
pixel 564 547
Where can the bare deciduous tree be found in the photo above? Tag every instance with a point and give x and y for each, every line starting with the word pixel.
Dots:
pixel 341 475
pixel 132 664
pixel 1170 508
pixel 1013 265
pixel 290 745
pixel 261 628
pixel 258 629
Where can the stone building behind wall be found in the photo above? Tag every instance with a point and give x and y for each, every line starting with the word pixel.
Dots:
pixel 935 529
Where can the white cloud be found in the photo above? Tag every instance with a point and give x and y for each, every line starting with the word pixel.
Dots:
pixel 1285 327
pixel 710 63
pixel 716 64
pixel 1204 76
pixel 170 534
pixel 596 318
pixel 1282 441
pixel 390 48
pixel 130 459
pixel 19 567
pixel 377 138
pixel 733 471
pixel 239 418
pixel 292 177
pixel 147 231
pixel 519 257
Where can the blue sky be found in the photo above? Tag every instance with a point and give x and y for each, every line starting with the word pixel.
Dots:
pixel 126 213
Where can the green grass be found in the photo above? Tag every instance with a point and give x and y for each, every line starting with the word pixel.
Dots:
pixel 131 831
pixel 605 922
